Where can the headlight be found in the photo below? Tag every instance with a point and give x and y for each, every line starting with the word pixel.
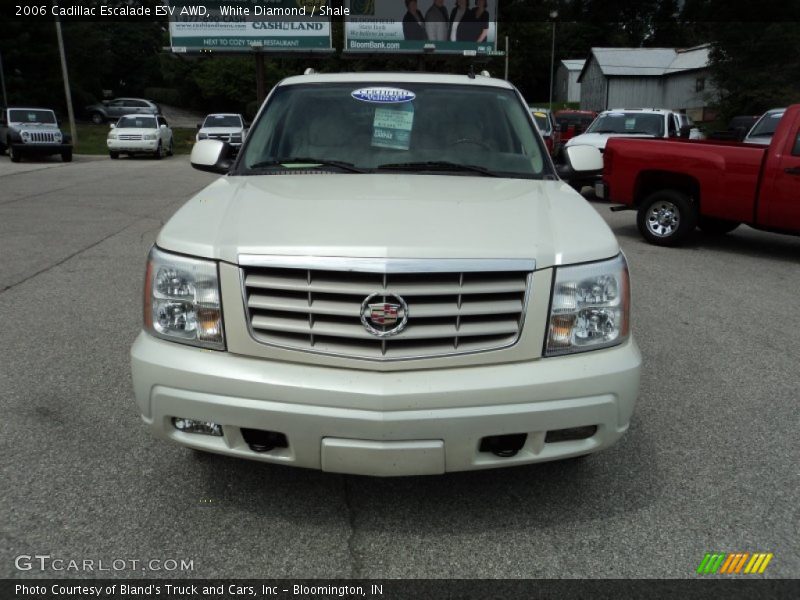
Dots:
pixel 112 135
pixel 236 138
pixel 26 136
pixel 590 307
pixel 149 136
pixel 182 300
pixel 202 136
pixel 58 137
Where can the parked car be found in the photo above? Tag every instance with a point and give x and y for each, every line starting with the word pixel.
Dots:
pixel 675 185
pixel 226 127
pixel 737 128
pixel 141 134
pixel 763 130
pixel 111 110
pixel 32 132
pixel 547 127
pixel 381 286
pixel 636 122
pixel 573 122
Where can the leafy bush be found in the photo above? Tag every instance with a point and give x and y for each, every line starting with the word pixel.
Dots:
pixel 168 96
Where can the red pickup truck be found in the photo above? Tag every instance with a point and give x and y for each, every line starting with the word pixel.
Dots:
pixel 678 184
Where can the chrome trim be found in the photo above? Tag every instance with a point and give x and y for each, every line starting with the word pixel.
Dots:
pixel 387 265
pixel 249 324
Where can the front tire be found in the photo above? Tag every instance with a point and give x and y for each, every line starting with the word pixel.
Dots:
pixel 66 156
pixel 159 153
pixel 171 150
pixel 14 155
pixel 713 226
pixel 114 155
pixel 666 218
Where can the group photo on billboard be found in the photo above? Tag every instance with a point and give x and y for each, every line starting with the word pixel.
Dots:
pixel 440 26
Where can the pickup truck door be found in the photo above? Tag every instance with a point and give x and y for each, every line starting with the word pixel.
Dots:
pixel 780 191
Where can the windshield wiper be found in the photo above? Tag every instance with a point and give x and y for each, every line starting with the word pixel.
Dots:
pixel 437 165
pixel 310 162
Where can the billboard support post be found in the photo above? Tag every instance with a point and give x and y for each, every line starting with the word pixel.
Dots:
pixel 3 82
pixel 261 84
pixel 506 77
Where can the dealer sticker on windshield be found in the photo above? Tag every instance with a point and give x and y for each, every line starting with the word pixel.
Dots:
pixel 392 127
pixel 383 95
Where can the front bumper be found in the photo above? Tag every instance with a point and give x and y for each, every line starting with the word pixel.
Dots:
pixel 132 145
pixel 43 148
pixel 386 423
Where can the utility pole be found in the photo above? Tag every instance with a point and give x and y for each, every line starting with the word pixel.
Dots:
pixel 261 84
pixel 72 130
pixel 3 82
pixel 554 16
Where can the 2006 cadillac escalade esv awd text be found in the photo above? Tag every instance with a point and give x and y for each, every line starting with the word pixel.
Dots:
pixel 391 279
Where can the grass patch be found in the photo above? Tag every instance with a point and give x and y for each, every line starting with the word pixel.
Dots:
pixel 92 139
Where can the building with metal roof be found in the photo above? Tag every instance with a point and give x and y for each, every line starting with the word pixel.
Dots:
pixel 671 78
pixel 566 86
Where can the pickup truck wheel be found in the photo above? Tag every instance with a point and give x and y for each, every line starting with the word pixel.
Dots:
pixel 14 155
pixel 159 153
pixel 98 118
pixel 666 218
pixel 716 226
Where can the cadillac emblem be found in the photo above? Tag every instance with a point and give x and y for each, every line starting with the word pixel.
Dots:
pixel 384 315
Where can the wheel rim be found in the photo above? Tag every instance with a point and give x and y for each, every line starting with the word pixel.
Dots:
pixel 663 219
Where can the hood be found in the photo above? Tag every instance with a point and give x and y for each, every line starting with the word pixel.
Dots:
pixel 221 130
pixel 390 216
pixel 599 140
pixel 35 126
pixel 134 130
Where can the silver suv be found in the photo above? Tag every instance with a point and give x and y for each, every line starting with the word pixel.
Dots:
pixel 29 131
pixel 111 110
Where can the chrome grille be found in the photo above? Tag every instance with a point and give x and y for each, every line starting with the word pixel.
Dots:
pixel 130 137
pixel 449 312
pixel 47 137
pixel 225 137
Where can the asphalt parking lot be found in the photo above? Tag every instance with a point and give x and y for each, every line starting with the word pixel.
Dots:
pixel 710 462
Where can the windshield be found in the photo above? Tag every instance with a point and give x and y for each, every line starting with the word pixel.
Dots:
pixel 32 116
pixel 574 120
pixel 541 121
pixel 222 121
pixel 766 126
pixel 629 123
pixel 137 123
pixel 413 127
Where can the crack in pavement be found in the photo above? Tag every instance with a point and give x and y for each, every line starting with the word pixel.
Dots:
pixel 355 563
pixel 63 260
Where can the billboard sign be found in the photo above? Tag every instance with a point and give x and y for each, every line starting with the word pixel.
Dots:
pixel 244 25
pixel 451 27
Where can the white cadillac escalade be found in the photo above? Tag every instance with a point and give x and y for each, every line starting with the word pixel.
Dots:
pixel 390 279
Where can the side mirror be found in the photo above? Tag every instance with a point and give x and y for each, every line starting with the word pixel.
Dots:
pixel 581 162
pixel 113 125
pixel 199 126
pixel 163 126
pixel 212 156
pixel 686 131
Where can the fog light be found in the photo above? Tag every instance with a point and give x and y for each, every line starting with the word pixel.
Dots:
pixel 571 434
pixel 194 426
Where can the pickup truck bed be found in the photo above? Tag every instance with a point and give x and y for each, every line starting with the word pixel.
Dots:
pixel 676 184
